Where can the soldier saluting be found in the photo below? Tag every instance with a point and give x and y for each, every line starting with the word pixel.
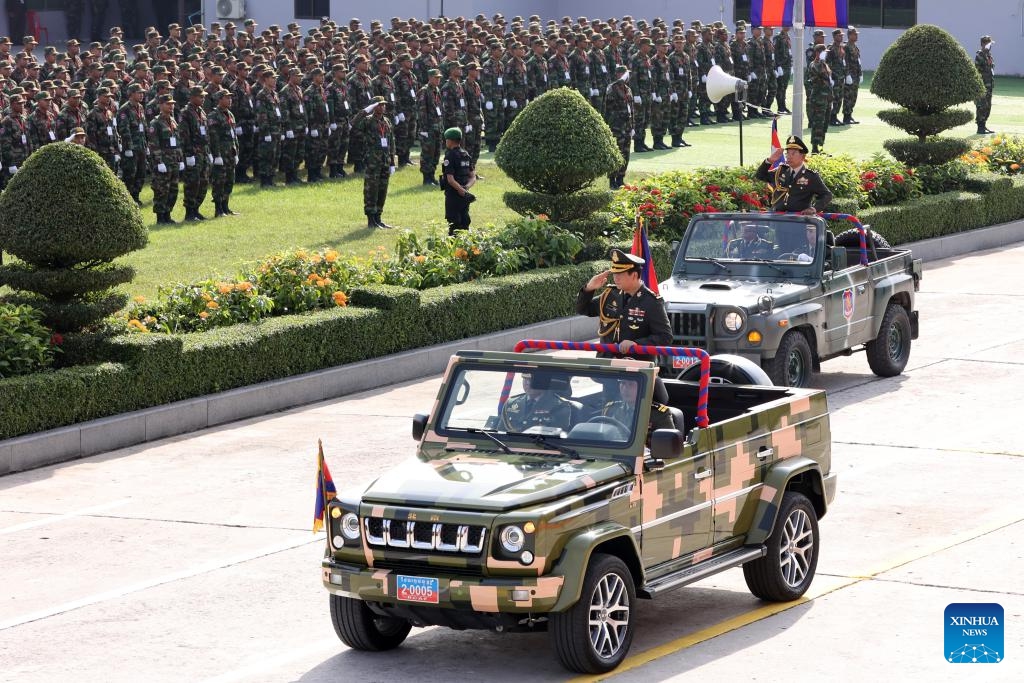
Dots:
pixel 796 188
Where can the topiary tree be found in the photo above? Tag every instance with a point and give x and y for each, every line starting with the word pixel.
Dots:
pixel 555 148
pixel 66 216
pixel 926 72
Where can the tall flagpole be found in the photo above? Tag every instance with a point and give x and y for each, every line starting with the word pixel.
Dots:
pixel 798 68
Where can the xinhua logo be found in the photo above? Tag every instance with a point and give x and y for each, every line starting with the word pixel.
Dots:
pixel 974 633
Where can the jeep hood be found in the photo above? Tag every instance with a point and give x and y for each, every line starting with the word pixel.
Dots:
pixel 742 293
pixel 488 482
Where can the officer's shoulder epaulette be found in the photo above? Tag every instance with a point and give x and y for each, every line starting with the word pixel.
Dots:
pixel 661 407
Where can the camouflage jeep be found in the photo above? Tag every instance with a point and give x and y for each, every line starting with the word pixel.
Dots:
pixel 541 499
pixel 779 290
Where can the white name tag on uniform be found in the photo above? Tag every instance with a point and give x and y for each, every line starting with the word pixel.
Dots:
pixel 384 142
pixel 680 71
pixel 412 93
pixel 24 140
pixel 142 128
pixel 277 110
pixel 202 130
pixel 110 131
pixel 462 102
pixel 566 75
pixel 173 142
pixel 438 110
pixel 301 109
pixel 501 81
pixel 53 135
pixel 604 69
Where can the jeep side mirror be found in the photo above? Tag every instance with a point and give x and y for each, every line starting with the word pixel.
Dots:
pixel 666 444
pixel 673 248
pixel 419 425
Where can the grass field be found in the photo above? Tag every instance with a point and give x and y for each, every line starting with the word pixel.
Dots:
pixel 331 213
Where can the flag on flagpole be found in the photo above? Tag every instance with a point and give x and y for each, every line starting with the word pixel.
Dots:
pixel 325 491
pixel 824 13
pixel 775 143
pixel 642 248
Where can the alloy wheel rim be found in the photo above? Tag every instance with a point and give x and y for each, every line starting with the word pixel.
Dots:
pixel 796 548
pixel 609 615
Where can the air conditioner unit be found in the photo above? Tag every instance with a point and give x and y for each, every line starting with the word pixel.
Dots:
pixel 230 9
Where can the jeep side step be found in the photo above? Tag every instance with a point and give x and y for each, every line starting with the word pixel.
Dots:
pixel 699 571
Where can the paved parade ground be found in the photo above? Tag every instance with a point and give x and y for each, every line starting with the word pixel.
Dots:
pixel 191 558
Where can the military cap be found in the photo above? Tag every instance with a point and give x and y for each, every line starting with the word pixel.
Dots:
pixel 818 32
pixel 794 142
pixel 191 31
pixel 58 83
pixel 405 56
pixel 78 130
pixel 358 59
pixel 383 61
pixel 100 92
pixel 453 134
pixel 274 28
pixel 339 66
pixel 741 25
pixel 50 50
pixel 108 83
pixel 17 99
pixel 217 71
pixel 70 42
pixel 41 95
pixel 644 41
pixel 162 83
pixel 228 26
pixel 624 262
pixel 293 72
pixel 819 48
pixel 74 92
pixel 472 66
pixel 433 72
pixel 837 32
pixel 134 88
pixel 250 22
pixel 29 84
pixel 113 40
pixel 851 29
pixel 195 91
pixel 159 69
pixel 29 40
pixel 46 85
pixel 221 93
pixel 17 90
pixel 153 33
pixel 316 71
pixel 165 98
pixel 140 65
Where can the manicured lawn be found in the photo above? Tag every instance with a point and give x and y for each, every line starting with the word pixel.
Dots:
pixel 331 213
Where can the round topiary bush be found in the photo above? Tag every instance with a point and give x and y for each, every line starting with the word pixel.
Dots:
pixel 926 72
pixel 66 216
pixel 557 145
pixel 559 208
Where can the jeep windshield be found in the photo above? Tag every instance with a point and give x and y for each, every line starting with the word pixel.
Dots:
pixel 550 408
pixel 772 241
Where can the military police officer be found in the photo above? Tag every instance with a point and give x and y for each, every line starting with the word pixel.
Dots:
pixel 459 175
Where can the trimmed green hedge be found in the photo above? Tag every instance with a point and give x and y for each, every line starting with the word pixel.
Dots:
pixel 930 216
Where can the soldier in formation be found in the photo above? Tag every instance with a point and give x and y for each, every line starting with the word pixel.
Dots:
pixel 986 68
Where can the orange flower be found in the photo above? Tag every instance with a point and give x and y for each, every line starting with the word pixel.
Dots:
pixel 225 288
pixel 243 286
pixel 313 277
pixel 476 251
pixel 340 299
pixel 212 304
pixel 301 254
pixel 542 217
pixel 420 258
pixel 461 253
pixel 204 315
pixel 139 299
pixel 1014 167
pixel 136 325
pixel 331 256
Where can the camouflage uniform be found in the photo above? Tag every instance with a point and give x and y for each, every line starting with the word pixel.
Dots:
pixel 195 147
pixel 559 72
pixel 819 101
pixel 337 143
pixel 739 49
pixel 515 89
pixel 269 124
pixel 360 93
pixel 42 125
pixel 453 104
pixel 537 79
pixel 69 119
pixel 474 119
pixel 492 88
pixel 224 148
pixel 758 75
pixel 164 148
pixel 15 144
pixel 318 115
pixel 429 118
pixel 724 59
pixel 678 100
pixel 770 79
pixel 380 159
pixel 854 73
pixel 985 65
pixel 600 78
pixel 642 76
pixel 579 69
pixel 704 59
pixel 405 129
pixel 294 124
pixel 101 135
pixel 836 60
pixel 618 113
pixel 131 125
pixel 783 60
pixel 243 108
pixel 661 99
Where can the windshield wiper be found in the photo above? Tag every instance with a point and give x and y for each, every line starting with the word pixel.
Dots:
pixel 769 263
pixel 542 440
pixel 489 433
pixel 710 259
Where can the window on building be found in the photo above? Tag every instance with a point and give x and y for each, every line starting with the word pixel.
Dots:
pixel 880 13
pixel 312 9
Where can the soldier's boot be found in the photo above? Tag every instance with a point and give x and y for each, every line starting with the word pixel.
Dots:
pixel 611 185
pixel 358 167
pixel 311 175
pixel 371 220
pixel 677 141
pixel 196 216
pixel 639 146
pixel 848 120
pixel 227 209
pixel 266 181
pixel 168 220
pixel 341 171
pixel 491 146
pixel 428 179
pixel 705 120
pixel 659 143
pixel 240 177
pixel 332 171
pixel 218 209
pixel 381 223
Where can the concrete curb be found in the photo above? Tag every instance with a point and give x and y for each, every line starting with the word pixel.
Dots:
pixel 120 431
pixel 129 429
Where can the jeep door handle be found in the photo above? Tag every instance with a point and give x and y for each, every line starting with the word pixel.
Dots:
pixel 703 474
pixel 765 452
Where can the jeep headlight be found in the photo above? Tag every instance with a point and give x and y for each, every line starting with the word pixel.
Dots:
pixel 733 321
pixel 350 526
pixel 513 538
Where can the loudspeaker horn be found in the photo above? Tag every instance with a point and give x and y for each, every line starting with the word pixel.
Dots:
pixel 721 84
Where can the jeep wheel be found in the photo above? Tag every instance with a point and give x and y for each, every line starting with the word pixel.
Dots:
pixel 793 362
pixel 786 572
pixel 594 635
pixel 361 629
pixel 889 352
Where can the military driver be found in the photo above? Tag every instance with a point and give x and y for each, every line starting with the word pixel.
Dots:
pixel 538 405
pixel 749 245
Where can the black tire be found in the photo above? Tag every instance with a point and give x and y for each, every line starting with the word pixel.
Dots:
pixel 359 628
pixel 851 238
pixel 786 572
pixel 602 648
pixel 793 362
pixel 889 352
pixel 729 369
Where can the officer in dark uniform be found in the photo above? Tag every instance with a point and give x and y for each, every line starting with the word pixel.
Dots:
pixel 629 312
pixel 795 188
pixel 458 176
pixel 623 409
pixel 749 245
pixel 538 405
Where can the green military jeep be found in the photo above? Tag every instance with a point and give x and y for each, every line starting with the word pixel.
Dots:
pixel 781 291
pixel 540 499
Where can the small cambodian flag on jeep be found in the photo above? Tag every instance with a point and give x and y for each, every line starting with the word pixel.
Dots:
pixel 642 248
pixel 325 491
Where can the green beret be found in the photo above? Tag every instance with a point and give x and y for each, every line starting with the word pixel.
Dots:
pixel 453 134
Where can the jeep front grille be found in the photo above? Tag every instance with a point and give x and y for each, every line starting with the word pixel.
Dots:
pixel 689 329
pixel 445 538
